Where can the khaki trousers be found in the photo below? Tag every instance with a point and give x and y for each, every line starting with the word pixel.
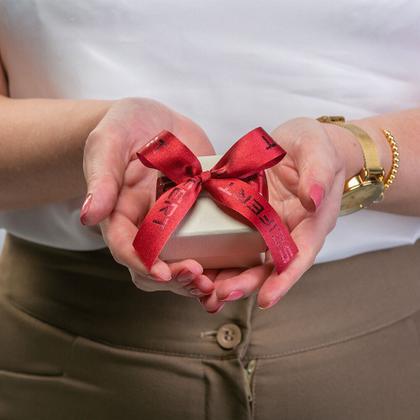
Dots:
pixel 80 341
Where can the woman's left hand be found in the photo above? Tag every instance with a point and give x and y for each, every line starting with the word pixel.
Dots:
pixel 305 189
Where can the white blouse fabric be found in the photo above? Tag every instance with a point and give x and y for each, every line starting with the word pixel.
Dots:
pixel 230 66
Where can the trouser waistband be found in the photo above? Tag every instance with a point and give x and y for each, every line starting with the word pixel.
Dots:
pixel 88 294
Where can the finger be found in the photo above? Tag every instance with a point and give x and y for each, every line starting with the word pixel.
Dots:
pixel 148 285
pixel 221 274
pixel 184 272
pixel 211 304
pixel 243 284
pixel 104 163
pixel 118 232
pixel 309 237
pixel 187 274
pixel 307 143
pixel 200 286
pixel 184 267
pixel 211 273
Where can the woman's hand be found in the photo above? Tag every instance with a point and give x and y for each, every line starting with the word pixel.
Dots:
pixel 121 190
pixel 305 189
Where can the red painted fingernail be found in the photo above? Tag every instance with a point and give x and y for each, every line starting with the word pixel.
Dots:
pixel 317 194
pixel 234 295
pixel 85 209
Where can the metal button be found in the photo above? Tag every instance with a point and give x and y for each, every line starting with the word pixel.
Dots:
pixel 229 336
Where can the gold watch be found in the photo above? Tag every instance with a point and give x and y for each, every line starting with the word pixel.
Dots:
pixel 366 187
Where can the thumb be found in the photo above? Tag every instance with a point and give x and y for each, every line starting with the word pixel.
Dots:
pixel 315 159
pixel 104 163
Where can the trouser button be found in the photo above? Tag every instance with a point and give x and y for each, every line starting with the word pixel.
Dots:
pixel 229 336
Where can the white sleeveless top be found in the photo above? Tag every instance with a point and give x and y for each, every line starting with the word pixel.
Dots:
pixel 230 66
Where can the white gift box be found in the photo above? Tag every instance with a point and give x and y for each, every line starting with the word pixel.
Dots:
pixel 212 237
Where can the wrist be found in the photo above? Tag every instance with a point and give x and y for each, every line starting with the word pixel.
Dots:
pixel 348 148
pixel 92 111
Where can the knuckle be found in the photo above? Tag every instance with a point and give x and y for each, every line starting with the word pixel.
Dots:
pixel 327 174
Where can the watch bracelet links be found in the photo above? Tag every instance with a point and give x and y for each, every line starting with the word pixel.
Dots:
pixel 368 144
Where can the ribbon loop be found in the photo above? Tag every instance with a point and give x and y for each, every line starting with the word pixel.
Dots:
pixel 252 153
pixel 231 182
pixel 166 153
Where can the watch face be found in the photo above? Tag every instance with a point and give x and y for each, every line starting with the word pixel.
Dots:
pixel 360 197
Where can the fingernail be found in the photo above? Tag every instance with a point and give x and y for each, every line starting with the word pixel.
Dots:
pixel 197 292
pixel 317 194
pixel 185 278
pixel 234 295
pixel 85 209
pixel 217 310
pixel 271 303
pixel 161 278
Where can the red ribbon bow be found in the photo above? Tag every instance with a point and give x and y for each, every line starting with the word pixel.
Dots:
pixel 250 155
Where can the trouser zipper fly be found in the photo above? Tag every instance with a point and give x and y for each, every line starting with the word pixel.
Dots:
pixel 249 372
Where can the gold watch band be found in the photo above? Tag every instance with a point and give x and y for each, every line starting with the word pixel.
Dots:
pixel 372 165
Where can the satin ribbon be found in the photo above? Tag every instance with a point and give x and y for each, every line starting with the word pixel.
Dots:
pixel 252 153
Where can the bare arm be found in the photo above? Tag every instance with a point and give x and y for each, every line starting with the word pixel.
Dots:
pixel 403 196
pixel 306 189
pixel 51 150
pixel 42 142
pixel 41 147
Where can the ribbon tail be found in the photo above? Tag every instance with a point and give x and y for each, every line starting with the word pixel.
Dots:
pixel 245 200
pixel 163 218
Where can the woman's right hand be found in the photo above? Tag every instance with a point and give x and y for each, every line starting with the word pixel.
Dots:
pixel 120 190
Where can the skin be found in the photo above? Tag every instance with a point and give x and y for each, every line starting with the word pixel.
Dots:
pixel 54 150
pixel 322 156
pixel 60 149
pixel 123 190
